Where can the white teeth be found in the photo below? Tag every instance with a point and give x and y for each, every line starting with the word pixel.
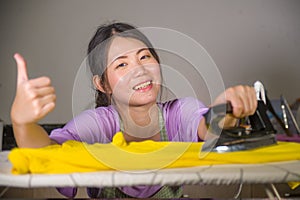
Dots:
pixel 142 86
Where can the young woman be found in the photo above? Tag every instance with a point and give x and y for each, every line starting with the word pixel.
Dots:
pixel 127 77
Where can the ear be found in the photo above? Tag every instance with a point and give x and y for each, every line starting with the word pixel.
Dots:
pixel 97 83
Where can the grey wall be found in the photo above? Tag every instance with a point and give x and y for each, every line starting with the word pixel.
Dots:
pixel 248 41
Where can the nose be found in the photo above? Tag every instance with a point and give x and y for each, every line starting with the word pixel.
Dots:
pixel 139 69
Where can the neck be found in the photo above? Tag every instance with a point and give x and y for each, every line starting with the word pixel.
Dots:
pixel 140 121
pixel 140 115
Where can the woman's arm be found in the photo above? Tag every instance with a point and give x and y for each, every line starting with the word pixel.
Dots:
pixel 34 99
pixel 31 136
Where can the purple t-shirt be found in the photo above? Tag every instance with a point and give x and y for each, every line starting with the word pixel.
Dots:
pixel 99 125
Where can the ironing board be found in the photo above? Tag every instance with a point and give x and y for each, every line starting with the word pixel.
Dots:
pixel 279 172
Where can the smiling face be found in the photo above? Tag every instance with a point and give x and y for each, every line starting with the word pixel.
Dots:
pixel 133 73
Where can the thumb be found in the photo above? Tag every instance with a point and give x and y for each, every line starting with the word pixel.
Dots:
pixel 22 71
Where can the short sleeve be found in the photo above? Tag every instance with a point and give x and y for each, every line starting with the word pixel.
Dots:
pixel 182 117
pixel 91 126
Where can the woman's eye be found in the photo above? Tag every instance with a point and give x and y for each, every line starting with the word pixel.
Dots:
pixel 145 57
pixel 121 65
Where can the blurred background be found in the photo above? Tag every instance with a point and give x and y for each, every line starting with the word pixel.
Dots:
pixel 247 40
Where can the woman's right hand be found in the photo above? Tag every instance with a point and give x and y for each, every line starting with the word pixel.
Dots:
pixel 34 99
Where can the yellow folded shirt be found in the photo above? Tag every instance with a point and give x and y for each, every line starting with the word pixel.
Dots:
pixel 74 156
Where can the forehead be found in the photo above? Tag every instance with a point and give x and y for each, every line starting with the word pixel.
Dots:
pixel 121 46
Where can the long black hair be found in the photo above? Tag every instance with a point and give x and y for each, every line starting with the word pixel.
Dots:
pixel 98 50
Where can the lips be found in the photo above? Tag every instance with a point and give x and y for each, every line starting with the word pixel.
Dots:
pixel 143 85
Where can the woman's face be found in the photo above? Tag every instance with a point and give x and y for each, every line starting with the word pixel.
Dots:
pixel 133 73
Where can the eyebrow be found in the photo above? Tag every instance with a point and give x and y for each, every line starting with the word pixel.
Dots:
pixel 120 57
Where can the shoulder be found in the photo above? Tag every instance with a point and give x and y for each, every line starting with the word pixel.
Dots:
pixel 93 125
pixel 104 118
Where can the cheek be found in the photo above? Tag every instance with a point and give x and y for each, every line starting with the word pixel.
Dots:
pixel 114 83
pixel 155 70
pixel 112 80
pixel 118 83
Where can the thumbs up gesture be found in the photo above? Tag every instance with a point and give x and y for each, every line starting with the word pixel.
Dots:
pixel 34 99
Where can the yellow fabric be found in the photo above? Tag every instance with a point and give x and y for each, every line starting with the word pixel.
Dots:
pixel 74 156
pixel 294 185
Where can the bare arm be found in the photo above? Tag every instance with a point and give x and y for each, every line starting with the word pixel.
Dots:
pixel 34 99
pixel 31 136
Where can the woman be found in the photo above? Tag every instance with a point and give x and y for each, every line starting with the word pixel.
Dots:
pixel 127 78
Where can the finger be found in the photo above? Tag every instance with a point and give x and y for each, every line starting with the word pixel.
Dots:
pixel 49 104
pixel 245 96
pixel 22 71
pixel 47 99
pixel 253 101
pixel 48 108
pixel 233 96
pixel 238 107
pixel 242 102
pixel 43 111
pixel 44 105
pixel 40 82
pixel 248 97
pixel 44 91
pixel 249 101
